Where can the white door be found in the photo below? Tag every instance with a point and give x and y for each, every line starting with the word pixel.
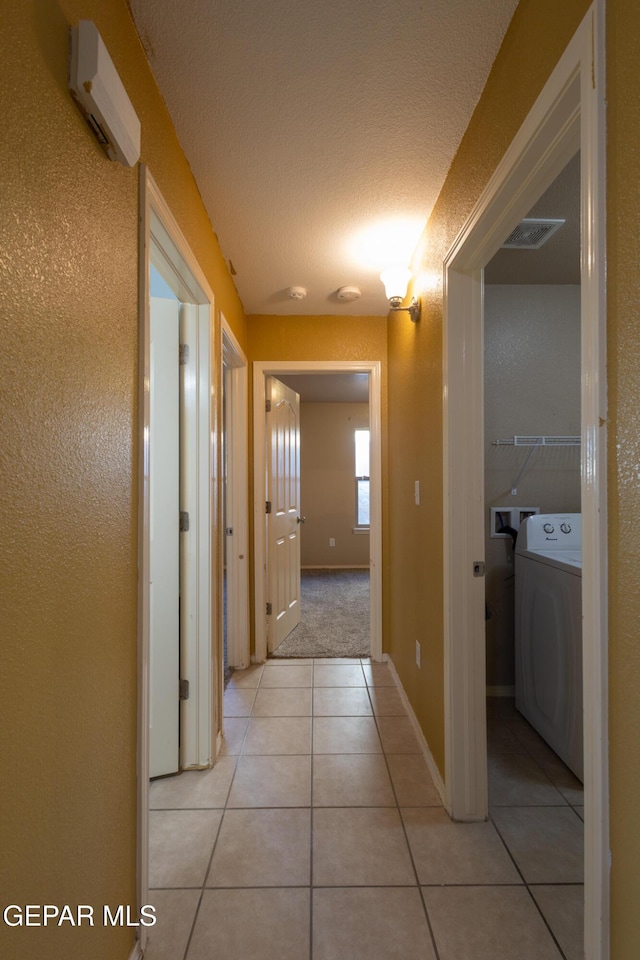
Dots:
pixel 284 519
pixel 164 561
pixel 235 488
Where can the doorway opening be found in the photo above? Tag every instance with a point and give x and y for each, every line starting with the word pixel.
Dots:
pixel 567 117
pixel 335 513
pixel 533 583
pixel 263 370
pixel 194 663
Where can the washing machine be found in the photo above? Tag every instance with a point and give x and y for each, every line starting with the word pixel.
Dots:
pixel 548 634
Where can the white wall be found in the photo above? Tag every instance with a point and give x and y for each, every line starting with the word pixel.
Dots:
pixel 532 387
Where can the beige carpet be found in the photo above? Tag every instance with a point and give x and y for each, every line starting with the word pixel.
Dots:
pixel 335 616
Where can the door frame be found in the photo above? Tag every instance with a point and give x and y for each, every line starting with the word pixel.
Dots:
pixel 162 242
pixel 169 408
pixel 235 373
pixel 261 370
pixel 569 114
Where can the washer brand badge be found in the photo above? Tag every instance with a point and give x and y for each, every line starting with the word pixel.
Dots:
pixel 83 914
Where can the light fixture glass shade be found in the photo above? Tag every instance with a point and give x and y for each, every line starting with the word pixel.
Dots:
pixel 396 281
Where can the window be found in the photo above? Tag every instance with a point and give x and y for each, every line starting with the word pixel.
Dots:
pixel 362 478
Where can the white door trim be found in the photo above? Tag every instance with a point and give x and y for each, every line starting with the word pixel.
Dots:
pixel 569 113
pixel 235 372
pixel 162 241
pixel 261 369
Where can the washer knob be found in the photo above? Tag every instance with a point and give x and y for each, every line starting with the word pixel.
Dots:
pixel 565 527
pixel 548 528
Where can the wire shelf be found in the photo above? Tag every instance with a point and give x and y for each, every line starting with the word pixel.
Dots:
pixel 540 441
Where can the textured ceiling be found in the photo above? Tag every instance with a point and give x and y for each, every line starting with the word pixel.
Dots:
pixel 329 387
pixel 308 124
pixel 558 261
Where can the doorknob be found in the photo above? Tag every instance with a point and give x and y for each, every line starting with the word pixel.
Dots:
pixel 301 519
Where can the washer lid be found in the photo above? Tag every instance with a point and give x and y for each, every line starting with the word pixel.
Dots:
pixel 570 561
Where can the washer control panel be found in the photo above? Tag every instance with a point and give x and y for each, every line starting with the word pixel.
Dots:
pixel 551 531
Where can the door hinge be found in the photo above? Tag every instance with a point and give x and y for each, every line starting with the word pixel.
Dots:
pixel 269 609
pixel 184 353
pixel 267 406
pixel 184 521
pixel 184 689
pixel 267 506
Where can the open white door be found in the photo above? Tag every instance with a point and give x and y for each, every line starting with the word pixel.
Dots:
pixel 164 560
pixel 283 511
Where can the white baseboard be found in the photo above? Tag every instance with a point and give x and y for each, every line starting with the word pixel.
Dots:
pixel 424 746
pixel 136 953
pixel 501 691
pixel 336 566
pixel 383 659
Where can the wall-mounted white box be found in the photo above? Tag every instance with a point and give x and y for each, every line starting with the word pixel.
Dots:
pixel 101 96
pixel 508 517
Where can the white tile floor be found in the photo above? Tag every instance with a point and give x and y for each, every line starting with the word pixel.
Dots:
pixel 319 835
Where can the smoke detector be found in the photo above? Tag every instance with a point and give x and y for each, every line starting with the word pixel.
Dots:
pixel 349 293
pixel 297 293
pixel 531 234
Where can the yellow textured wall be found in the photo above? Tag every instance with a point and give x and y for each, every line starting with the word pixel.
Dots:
pixel 623 349
pixel 68 462
pixel 318 338
pixel 537 36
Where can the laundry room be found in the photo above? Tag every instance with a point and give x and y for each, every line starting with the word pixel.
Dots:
pixel 533 555
pixel 532 398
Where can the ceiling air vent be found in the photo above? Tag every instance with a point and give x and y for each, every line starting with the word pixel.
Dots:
pixel 531 234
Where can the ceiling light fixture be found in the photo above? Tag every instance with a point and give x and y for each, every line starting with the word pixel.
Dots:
pixel 396 281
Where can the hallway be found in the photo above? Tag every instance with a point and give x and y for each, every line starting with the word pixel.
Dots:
pixel 319 835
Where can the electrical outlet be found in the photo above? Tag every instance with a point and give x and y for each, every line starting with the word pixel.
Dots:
pixel 418 653
pixel 332 541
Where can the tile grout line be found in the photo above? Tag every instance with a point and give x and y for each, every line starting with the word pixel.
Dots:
pixel 219 828
pixel 313 679
pixel 374 886
pixel 218 831
pixel 404 828
pixel 532 756
pixel 217 836
pixel 203 886
pixel 562 805
pixel 504 722
pixel 526 886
